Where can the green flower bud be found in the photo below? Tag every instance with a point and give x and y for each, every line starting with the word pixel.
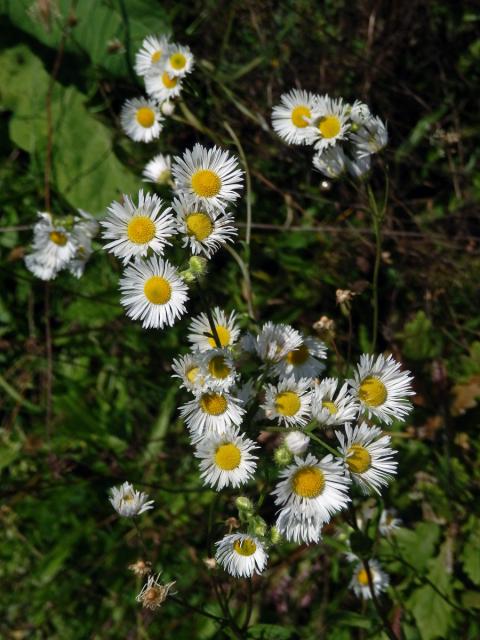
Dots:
pixel 244 504
pixel 188 276
pixel 275 535
pixel 282 456
pixel 258 526
pixel 198 265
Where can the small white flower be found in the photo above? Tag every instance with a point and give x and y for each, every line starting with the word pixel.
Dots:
pixel 158 170
pixel 187 368
pixel 179 61
pixel 330 407
pixel 241 555
pixel 288 402
pixel 85 228
pixel 211 177
pixel 160 86
pixel 381 388
pixel 200 333
pixel 291 118
pixel 153 292
pixel 329 123
pixel 303 361
pixel 297 442
pixel 358 166
pixel 226 459
pixel 332 162
pixel 53 247
pixel 296 526
pixel 167 107
pixel 372 137
pixel 217 369
pixel 360 584
pixel 211 413
pixel 152 54
pixel 134 229
pixel 276 341
pixel 368 457
pixel 129 502
pixel 388 522
pixel 141 119
pixel 153 593
pixel 359 113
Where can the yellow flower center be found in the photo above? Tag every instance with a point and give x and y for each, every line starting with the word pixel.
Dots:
pixel 227 457
pixel 157 290
pixel 140 230
pixel 206 183
pixel 168 82
pixel 178 61
pixel 372 392
pixel 299 116
pixel 360 460
pixel 213 404
pixel 287 403
pixel 164 176
pixel 191 374
pixel 245 547
pixel 156 55
pixel 58 238
pixel 362 577
pixel 145 117
pixel 223 335
pixel 127 497
pixel 308 482
pixel 298 356
pixel 331 406
pixel 199 225
pixel 330 126
pixel 219 368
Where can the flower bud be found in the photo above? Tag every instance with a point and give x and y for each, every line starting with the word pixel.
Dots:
pixel 275 535
pixel 297 442
pixel 258 526
pixel 244 504
pixel 282 456
pixel 198 265
pixel 168 108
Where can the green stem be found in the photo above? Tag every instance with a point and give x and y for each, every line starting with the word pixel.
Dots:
pixel 386 623
pixel 377 218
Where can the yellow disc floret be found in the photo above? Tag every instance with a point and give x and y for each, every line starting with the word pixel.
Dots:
pixel 299 116
pixel 157 290
pixel 168 82
pixel 228 457
pixel 156 55
pixel 223 335
pixel 287 403
pixel 362 577
pixel 218 368
pixel 145 117
pixel 58 237
pixel 246 547
pixel 330 126
pixel 331 406
pixel 308 482
pixel 199 225
pixel 372 392
pixel 178 61
pixel 359 459
pixel 140 230
pixel 206 183
pixel 213 403
pixel 298 356
pixel 192 373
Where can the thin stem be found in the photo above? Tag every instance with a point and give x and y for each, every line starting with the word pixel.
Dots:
pixel 324 444
pixel 140 537
pixel 377 218
pixel 49 371
pixel 202 612
pixel 248 181
pixel 246 278
pixel 248 613
pixel 386 623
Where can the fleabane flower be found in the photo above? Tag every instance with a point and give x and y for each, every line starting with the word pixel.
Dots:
pixel 297 442
pixel 241 555
pixel 331 407
pixel 359 113
pixel 161 86
pixel 368 456
pixel 217 369
pixel 288 402
pixel 372 137
pixel 304 361
pixel 134 229
pixel 226 460
pixel 210 177
pixel 152 54
pixel 153 593
pixel 158 170
pixel 141 120
pixel 200 333
pixel 360 584
pixel 204 230
pixel 211 413
pixel 298 527
pixel 275 342
pixel 129 502
pixel 187 368
pixel 358 166
pixel 291 118
pixel 388 522
pixel 179 61
pixel 331 162
pixel 84 230
pixel 329 123
pixel 53 247
pixel 154 292
pixel 381 388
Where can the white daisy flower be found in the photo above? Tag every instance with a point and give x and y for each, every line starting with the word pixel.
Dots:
pixel 226 459
pixel 217 369
pixel 200 333
pixel 297 527
pixel 291 118
pixel 158 170
pixel 241 555
pixel 204 231
pixel 211 413
pixel 331 162
pixel 303 361
pixel 153 54
pixel 329 123
pixel 359 113
pixel 160 86
pixel 315 488
pixel 179 61
pixel 359 582
pixel 297 442
pixel 153 593
pixel 84 229
pixel 358 166
pixel 372 137
pixel 211 177
pixel 129 502
pixel 388 522
pixel 141 120
pixel 154 292
pixel 53 247
pixel 276 341
pixel 381 387
pixel 368 457
pixel 288 402
pixel 330 407
pixel 167 107
pixel 134 229
pixel 187 368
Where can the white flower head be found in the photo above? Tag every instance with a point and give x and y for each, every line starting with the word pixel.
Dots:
pixel 161 86
pixel 315 488
pixel 211 177
pixel 200 333
pixel 217 369
pixel 288 402
pixel 141 120
pixel 84 230
pixel 158 170
pixel 388 522
pixel 153 292
pixel 179 61
pixel 276 341
pixel 152 54
pixel 211 413
pixel 330 407
pixel 297 442
pixel 368 456
pixel 358 165
pixel 204 230
pixel 187 368
pixel 226 460
pixel 167 107
pixel 296 526
pixel 329 123
pixel 381 388
pixel 134 229
pixel 153 593
pixel 241 555
pixel 304 361
pixel 360 583
pixel 291 118
pixel 53 247
pixel 372 137
pixel 331 162
pixel 359 113
pixel 129 502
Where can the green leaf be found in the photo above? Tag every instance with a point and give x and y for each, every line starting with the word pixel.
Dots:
pixel 270 632
pixel 419 340
pixel 471 557
pixel 418 546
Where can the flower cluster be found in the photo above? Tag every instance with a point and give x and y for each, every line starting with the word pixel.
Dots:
pixel 344 136
pixel 61 243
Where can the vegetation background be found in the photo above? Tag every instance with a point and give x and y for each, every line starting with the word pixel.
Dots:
pixel 87 400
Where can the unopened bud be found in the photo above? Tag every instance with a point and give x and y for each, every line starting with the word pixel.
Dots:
pixel 282 456
pixel 297 442
pixel 258 526
pixel 198 265
pixel 188 276
pixel 244 504
pixel 275 535
pixel 168 108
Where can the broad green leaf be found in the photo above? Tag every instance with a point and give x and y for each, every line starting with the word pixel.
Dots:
pixel 419 340
pixel 471 557
pixel 418 546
